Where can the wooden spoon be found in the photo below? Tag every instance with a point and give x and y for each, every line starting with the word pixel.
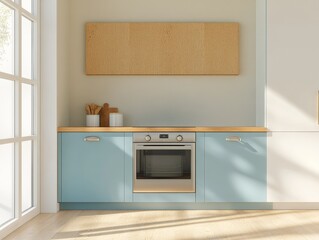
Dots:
pixel 97 110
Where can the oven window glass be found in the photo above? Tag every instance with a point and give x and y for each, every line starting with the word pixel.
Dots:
pixel 163 164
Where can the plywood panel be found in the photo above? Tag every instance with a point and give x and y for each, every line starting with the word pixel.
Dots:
pixel 162 48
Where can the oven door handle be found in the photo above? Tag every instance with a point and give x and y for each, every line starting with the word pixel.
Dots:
pixel 166 147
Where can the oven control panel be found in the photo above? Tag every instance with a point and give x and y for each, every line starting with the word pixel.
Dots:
pixel 164 137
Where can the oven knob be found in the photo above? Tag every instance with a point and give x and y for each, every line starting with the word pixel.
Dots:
pixel 148 138
pixel 179 138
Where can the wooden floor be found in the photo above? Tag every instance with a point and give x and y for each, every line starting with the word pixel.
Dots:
pixel 184 225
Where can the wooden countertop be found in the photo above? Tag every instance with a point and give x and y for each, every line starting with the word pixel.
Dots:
pixel 162 129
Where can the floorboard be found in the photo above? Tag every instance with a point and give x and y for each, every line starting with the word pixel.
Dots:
pixel 181 225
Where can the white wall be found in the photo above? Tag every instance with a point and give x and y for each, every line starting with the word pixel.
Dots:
pixel 163 100
pixel 49 106
pixel 54 93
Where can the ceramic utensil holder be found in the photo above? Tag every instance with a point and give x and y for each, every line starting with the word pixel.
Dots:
pixel 92 120
pixel 116 120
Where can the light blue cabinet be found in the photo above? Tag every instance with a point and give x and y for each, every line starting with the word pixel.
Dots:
pixel 235 167
pixel 92 169
pixel 230 167
pixel 200 167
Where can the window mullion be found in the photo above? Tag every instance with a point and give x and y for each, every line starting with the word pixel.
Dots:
pixel 19 117
pixel 28 15
pixel 17 139
pixel 11 4
pixel 28 81
pixel 17 5
pixel 8 76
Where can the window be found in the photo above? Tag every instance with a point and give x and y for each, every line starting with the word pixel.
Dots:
pixel 7 183
pixel 6 39
pixel 19 88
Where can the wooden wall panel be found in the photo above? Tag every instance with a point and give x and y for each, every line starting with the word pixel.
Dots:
pixel 162 48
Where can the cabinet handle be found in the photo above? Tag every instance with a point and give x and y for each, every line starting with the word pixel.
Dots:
pixel 234 139
pixel 318 107
pixel 91 139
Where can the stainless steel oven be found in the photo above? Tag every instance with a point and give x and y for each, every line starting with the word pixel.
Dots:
pixel 164 162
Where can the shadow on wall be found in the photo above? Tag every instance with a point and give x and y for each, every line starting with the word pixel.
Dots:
pixel 282 105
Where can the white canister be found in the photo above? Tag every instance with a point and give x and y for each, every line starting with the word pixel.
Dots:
pixel 116 120
pixel 92 120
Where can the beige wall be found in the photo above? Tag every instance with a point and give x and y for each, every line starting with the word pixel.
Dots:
pixel 63 63
pixel 163 100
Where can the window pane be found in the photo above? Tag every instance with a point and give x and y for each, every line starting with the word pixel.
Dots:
pixel 6 183
pixel 27 109
pixel 27 176
pixel 6 39
pixel 27 5
pixel 7 109
pixel 26 48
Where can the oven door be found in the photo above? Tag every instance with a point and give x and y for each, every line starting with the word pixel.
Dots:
pixel 164 167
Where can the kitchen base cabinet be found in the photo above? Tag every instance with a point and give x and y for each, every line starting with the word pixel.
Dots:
pixel 235 167
pixel 293 167
pixel 96 171
pixel 92 167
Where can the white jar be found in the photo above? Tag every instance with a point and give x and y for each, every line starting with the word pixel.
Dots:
pixel 92 120
pixel 116 120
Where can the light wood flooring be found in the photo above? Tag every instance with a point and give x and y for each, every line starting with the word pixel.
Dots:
pixel 183 225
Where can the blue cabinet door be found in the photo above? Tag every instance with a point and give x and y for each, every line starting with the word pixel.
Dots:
pixel 92 171
pixel 235 167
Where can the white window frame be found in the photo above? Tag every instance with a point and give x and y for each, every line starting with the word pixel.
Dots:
pixel 19 217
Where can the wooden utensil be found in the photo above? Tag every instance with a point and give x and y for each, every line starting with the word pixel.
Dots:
pixel 105 114
pixel 92 109
pixel 97 110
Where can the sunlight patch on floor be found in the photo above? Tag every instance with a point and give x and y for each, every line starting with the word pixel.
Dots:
pixel 184 225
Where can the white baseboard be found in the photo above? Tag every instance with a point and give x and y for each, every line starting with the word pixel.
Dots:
pixel 296 206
